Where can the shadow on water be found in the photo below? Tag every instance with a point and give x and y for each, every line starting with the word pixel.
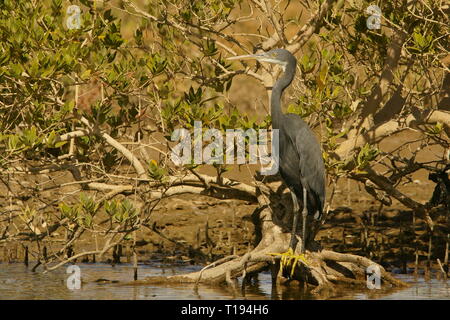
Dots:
pixel 18 282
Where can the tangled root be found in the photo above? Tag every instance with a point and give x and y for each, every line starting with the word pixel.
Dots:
pixel 323 273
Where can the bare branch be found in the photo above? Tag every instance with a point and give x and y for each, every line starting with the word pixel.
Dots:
pixel 311 27
pixel 127 153
pixel 391 127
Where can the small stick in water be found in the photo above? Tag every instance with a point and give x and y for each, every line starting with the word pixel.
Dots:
pixel 429 250
pixel 135 276
pixel 44 254
pixel 446 253
pixel 25 259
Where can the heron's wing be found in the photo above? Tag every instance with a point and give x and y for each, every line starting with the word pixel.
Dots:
pixel 311 164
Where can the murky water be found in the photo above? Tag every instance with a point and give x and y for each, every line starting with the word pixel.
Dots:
pixel 18 282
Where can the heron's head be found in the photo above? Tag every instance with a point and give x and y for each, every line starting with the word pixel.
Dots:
pixel 281 57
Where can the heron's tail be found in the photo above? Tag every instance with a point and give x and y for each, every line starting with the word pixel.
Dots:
pixel 317 207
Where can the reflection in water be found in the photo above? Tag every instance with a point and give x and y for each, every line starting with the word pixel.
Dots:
pixel 419 289
pixel 18 282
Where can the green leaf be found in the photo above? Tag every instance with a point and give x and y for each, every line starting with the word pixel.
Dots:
pixel 59 144
pixel 86 74
pixel 156 64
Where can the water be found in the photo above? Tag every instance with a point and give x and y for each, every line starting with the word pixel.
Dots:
pixel 18 282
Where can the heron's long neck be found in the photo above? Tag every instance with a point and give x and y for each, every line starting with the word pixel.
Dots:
pixel 275 102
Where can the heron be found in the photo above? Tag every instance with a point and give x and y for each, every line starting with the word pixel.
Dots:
pixel 301 164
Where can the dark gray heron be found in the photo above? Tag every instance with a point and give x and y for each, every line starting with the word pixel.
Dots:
pixel 300 157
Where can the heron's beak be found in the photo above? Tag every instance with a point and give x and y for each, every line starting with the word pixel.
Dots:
pixel 261 57
pixel 247 57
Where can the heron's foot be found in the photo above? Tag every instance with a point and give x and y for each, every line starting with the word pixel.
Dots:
pixel 290 260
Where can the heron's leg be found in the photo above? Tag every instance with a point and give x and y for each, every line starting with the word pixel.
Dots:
pixel 295 210
pixel 305 214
